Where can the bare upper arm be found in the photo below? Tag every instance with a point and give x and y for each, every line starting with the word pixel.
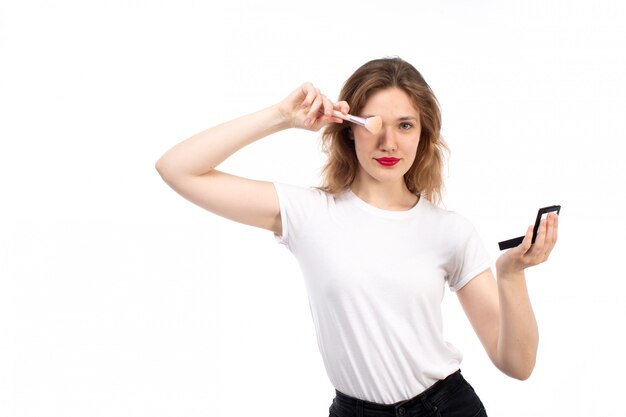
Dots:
pixel 479 299
pixel 240 199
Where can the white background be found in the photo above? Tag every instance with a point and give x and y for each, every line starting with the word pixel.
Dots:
pixel 118 297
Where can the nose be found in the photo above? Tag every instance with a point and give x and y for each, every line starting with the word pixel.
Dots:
pixel 387 141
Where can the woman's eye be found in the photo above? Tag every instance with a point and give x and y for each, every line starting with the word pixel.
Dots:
pixel 405 126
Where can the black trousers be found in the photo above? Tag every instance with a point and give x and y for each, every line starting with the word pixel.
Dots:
pixel 450 397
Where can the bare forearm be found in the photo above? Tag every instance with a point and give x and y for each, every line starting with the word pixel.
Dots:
pixel 518 337
pixel 204 151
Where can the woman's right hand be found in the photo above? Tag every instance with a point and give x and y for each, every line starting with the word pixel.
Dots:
pixel 307 108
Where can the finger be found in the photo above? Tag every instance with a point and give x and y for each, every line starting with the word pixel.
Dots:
pixel 328 106
pixel 334 119
pixel 556 228
pixel 310 93
pixel 315 107
pixel 527 242
pixel 314 119
pixel 543 251
pixel 550 232
pixel 342 106
pixel 541 237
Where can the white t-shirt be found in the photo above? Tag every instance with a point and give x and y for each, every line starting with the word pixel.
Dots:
pixel 375 281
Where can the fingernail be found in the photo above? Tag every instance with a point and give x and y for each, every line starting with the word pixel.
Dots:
pixel 307 122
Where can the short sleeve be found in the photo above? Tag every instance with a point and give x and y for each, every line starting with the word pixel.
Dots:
pixel 297 204
pixel 470 256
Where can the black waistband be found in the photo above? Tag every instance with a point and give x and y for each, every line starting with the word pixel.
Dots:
pixel 432 393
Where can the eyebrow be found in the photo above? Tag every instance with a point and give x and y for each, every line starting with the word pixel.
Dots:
pixel 399 119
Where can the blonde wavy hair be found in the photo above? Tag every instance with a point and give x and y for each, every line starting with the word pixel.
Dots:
pixel 425 177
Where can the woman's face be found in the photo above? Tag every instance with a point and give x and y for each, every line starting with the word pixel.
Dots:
pixel 398 138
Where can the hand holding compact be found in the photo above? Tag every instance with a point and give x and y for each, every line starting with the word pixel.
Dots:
pixel 528 253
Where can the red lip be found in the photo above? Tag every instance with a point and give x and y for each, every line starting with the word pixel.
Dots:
pixel 387 161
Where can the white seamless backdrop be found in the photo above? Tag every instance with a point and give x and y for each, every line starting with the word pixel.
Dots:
pixel 118 297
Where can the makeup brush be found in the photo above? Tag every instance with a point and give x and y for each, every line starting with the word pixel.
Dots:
pixel 373 124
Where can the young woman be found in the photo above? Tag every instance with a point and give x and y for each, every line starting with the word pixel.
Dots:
pixel 374 248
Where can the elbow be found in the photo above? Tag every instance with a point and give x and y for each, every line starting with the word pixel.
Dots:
pixel 519 367
pixel 163 171
pixel 521 371
pixel 162 168
pixel 517 362
pixel 159 169
pixel 159 165
pixel 522 375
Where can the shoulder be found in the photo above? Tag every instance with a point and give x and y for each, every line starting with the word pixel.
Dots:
pixel 297 198
pixel 447 218
pixel 300 192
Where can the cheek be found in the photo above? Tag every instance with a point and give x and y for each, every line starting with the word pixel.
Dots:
pixel 358 150
pixel 361 146
pixel 412 153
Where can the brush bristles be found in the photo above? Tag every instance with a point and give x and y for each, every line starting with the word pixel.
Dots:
pixel 373 124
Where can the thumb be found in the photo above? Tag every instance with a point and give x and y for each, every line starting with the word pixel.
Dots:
pixel 528 239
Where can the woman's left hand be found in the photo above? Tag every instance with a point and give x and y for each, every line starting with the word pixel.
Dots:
pixel 527 254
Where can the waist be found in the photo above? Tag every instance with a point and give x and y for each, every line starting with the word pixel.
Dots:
pixel 422 400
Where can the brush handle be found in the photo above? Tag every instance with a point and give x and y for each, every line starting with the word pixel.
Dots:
pixel 350 118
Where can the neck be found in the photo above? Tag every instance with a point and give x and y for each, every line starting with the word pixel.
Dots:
pixel 385 196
